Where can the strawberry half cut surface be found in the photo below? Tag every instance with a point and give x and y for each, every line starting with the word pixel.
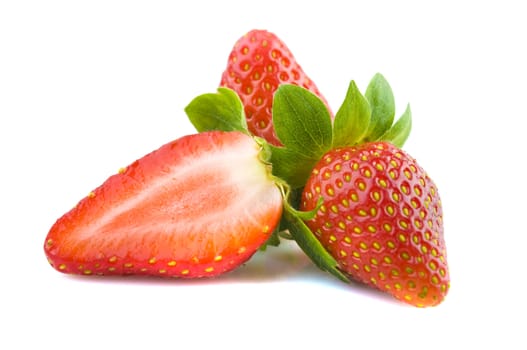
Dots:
pixel 198 206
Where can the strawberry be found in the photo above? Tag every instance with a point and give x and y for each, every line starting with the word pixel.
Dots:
pixel 381 220
pixel 198 206
pixel 257 65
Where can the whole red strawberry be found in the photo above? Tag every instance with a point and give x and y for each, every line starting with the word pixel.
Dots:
pixel 381 219
pixel 257 65
pixel 198 206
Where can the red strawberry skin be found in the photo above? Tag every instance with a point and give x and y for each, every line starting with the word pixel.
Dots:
pixel 198 206
pixel 258 64
pixel 382 221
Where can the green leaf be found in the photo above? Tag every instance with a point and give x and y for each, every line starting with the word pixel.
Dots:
pixel 352 119
pixel 292 166
pixel 307 241
pixel 301 121
pixel 399 132
pixel 217 111
pixel 382 104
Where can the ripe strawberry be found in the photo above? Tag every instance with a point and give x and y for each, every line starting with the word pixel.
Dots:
pixel 381 219
pixel 198 206
pixel 257 65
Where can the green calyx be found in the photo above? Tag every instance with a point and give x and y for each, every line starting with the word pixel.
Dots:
pixel 304 126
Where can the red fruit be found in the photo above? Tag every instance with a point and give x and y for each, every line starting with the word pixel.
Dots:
pixel 198 206
pixel 258 64
pixel 382 220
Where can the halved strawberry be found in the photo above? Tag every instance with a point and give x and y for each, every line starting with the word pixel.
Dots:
pixel 198 206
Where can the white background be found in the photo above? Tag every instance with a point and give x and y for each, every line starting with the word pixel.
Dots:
pixel 88 87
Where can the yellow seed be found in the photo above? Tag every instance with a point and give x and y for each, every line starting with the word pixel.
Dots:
pixel 342 225
pixel 367 173
pixel 49 242
pixel 387 260
pixel 152 260
pixel 394 163
pixel 390 244
pixel 112 259
pixel 128 265
pixel 87 272
pixel 345 202
pixel 171 263
pixel 242 250
pixel 356 267
pixel 185 272
pixel 406 211
pixel 347 239
pixel 334 209
pixel 121 170
pixel 387 227
pixel 363 212
pixel 417 190
pixel 357 230
pixel 390 210
pixel 405 256
pixel 379 167
pixel 354 197
pixel 91 194
pixel 332 238
pixel 372 229
pixel 402 237
pixel 408 297
pixel 397 286
pixel 376 245
pixel 327 174
pixel 435 280
pixel 323 208
pixel 395 196
pixel 111 269
pixel 356 254
pixel 361 185
pixel 403 224
pixel 367 268
pixel 245 50
pixel 343 253
pixel 347 177
pixel 376 196
pixel 162 271
pixel 62 267
pixel 382 276
pixel 424 249
pixel 373 211
pixel 408 174
pixel 383 183
pixel 246 67
pixel 363 245
pixel 373 280
pixel 218 258
pixel 374 261
pixel 209 269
